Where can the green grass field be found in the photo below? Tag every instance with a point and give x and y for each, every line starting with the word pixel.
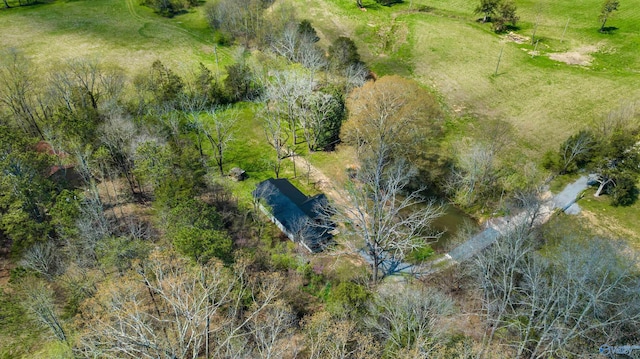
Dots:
pixel 449 50
pixel 117 32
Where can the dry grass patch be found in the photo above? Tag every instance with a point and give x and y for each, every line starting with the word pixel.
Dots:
pixel 580 56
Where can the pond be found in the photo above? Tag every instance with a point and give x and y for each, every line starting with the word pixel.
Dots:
pixel 451 222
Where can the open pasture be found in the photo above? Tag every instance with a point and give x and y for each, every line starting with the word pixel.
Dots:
pixel 118 32
pixel 573 78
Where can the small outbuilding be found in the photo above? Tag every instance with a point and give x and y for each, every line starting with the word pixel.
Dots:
pixel 238 174
pixel 64 171
pixel 300 217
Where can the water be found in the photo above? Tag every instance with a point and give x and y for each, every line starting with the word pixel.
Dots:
pixel 451 222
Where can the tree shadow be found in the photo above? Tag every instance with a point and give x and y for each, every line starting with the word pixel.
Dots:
pixel 481 20
pixel 389 2
pixel 369 5
pixel 24 3
pixel 514 28
pixel 608 30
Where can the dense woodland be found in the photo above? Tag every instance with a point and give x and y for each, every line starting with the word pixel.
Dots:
pixel 125 238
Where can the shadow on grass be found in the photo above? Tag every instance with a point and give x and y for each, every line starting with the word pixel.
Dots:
pixel 513 28
pixel 24 4
pixel 369 5
pixel 608 30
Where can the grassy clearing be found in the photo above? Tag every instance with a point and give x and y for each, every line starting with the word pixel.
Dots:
pixel 117 32
pixel 250 151
pixel 618 221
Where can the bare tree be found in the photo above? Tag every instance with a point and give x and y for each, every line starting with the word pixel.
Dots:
pixel 117 134
pixel 584 292
pixel 237 18
pixel 285 92
pixel 390 221
pixel 337 338
pixel 19 92
pixel 43 258
pixel 498 268
pixel 408 320
pixel 314 115
pixel 272 330
pixel 38 299
pixel 82 86
pixel 355 76
pixel 277 135
pixel 475 174
pixel 219 132
pixel 286 44
pixel 576 294
pixel 576 147
pixel 93 226
pixel 172 308
pixel 310 55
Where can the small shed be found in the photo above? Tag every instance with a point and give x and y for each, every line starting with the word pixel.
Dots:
pixel 64 171
pixel 300 217
pixel 238 174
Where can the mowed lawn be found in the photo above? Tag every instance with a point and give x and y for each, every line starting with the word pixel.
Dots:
pixel 119 32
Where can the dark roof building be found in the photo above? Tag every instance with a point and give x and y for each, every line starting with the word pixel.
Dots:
pixel 64 171
pixel 300 217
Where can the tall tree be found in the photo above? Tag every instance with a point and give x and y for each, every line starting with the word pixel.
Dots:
pixel 616 157
pixel 39 302
pixel 343 52
pixel 242 19
pixel 152 162
pixel 574 153
pixel 239 83
pixel 581 292
pixel 27 193
pixel 497 268
pixel 20 92
pixel 405 119
pixel 391 221
pixel 320 118
pixel 475 174
pixel 394 114
pixel 219 131
pixel 487 8
pixel 117 135
pixel 407 320
pixel 277 135
pixel 608 7
pixel 286 92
